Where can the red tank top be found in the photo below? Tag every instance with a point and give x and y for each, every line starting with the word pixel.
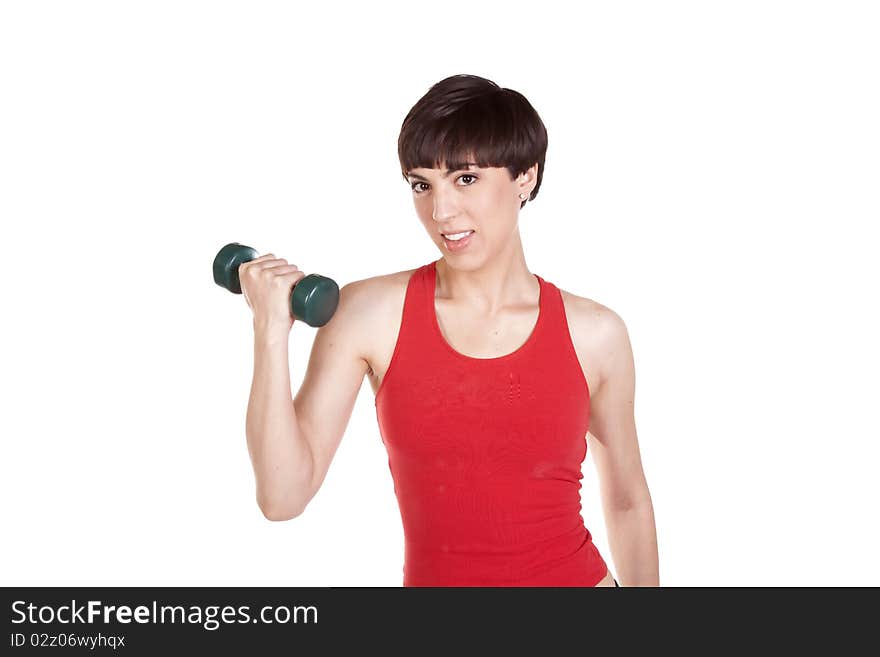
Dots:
pixel 486 453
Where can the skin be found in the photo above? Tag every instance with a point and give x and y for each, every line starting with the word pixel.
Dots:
pixel 491 273
pixel 481 284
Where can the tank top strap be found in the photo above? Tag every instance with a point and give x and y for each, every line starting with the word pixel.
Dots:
pixel 554 327
pixel 555 338
pixel 415 328
pixel 422 301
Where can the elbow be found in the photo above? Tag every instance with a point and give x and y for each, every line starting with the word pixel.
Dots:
pixel 279 516
pixel 278 511
pixel 637 500
pixel 279 503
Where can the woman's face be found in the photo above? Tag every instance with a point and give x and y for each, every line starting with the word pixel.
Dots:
pixel 484 200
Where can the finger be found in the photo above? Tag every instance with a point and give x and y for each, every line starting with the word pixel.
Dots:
pixel 284 279
pixel 285 275
pixel 284 269
pixel 263 262
pixel 262 258
pixel 265 256
pixel 280 264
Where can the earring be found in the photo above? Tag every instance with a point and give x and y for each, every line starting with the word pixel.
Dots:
pixel 522 197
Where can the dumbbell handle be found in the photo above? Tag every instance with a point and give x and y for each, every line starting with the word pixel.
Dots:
pixel 314 297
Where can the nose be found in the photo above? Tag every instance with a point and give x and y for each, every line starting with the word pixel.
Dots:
pixel 444 208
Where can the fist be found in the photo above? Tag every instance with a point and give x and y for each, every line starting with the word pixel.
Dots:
pixel 266 284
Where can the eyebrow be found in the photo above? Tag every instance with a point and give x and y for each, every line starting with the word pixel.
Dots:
pixel 457 167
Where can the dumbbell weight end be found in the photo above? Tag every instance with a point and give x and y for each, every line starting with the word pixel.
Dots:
pixel 314 297
pixel 226 264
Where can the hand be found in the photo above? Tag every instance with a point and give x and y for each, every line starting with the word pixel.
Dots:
pixel 267 283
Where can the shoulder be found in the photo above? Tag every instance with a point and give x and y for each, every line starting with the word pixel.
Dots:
pixel 377 292
pixel 597 331
pixel 591 315
pixel 371 306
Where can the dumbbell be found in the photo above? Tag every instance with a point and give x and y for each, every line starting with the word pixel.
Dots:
pixel 314 297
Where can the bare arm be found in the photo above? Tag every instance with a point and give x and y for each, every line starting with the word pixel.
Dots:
pixel 626 501
pixel 292 441
pixel 280 454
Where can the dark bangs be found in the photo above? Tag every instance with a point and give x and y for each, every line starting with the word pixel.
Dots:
pixel 466 118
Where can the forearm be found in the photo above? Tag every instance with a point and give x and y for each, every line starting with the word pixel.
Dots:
pixel 279 452
pixel 632 537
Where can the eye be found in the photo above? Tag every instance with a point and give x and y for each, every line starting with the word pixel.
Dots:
pixel 415 186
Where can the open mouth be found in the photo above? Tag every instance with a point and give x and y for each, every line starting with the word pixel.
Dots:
pixel 455 245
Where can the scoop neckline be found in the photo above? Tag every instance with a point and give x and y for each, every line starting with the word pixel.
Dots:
pixel 432 287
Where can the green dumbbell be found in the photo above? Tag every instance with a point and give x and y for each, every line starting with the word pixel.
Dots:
pixel 314 298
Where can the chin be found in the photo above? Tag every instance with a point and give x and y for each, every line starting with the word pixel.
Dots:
pixel 457 264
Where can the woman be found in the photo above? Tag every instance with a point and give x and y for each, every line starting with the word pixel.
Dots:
pixel 487 377
pixel 485 404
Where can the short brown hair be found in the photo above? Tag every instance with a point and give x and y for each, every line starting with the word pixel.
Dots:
pixel 468 118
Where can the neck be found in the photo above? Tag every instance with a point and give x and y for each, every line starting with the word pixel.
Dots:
pixel 502 282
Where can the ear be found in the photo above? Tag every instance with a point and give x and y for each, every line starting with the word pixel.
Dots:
pixel 528 179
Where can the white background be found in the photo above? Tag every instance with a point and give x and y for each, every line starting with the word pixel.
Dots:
pixel 712 176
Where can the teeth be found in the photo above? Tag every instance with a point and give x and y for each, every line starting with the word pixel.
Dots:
pixel 458 236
